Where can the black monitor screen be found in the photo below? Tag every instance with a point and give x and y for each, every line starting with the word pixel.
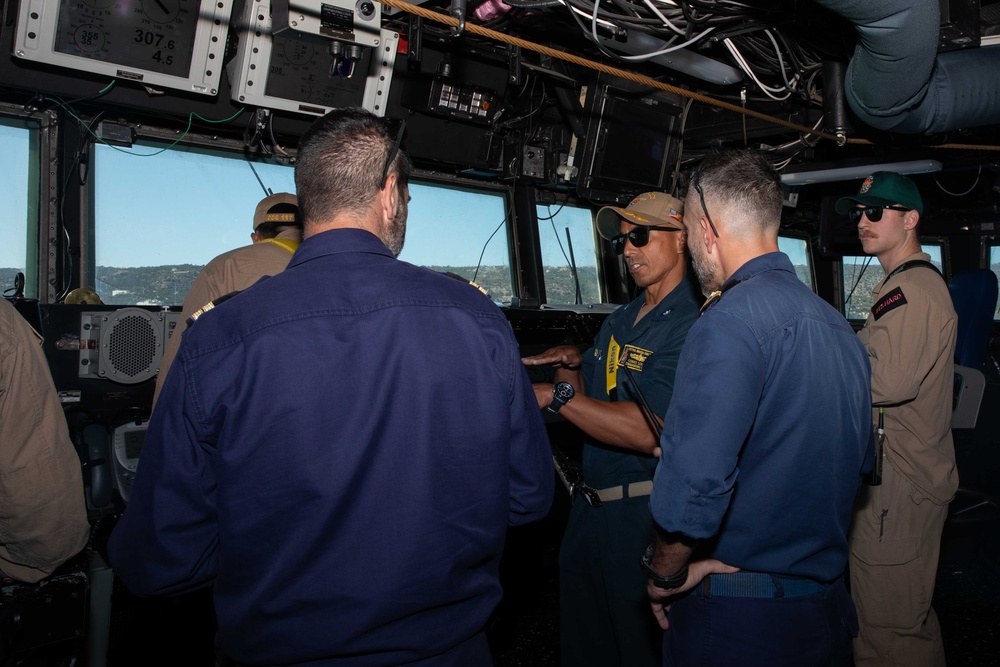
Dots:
pixel 629 147
pixel 635 143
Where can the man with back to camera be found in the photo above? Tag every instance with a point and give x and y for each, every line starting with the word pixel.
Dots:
pixel 43 515
pixel 604 613
pixel 277 232
pixel 910 336
pixel 763 446
pixel 341 447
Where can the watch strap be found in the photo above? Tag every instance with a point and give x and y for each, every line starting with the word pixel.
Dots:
pixel 670 582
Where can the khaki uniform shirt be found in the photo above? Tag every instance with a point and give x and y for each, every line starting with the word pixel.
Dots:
pixel 910 336
pixel 229 272
pixel 43 515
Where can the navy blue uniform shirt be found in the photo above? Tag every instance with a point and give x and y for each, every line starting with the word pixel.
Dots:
pixel 767 432
pixel 653 346
pixel 339 449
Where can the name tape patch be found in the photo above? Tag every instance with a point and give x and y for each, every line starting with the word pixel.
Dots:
pixel 893 299
pixel 634 357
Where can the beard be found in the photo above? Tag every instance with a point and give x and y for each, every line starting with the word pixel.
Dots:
pixel 706 269
pixel 395 231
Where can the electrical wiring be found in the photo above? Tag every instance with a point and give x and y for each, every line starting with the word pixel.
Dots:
pixel 187 130
pixel 748 35
pixel 574 11
pixel 770 92
pixel 790 85
pixel 663 18
pixel 972 187
pixel 612 19
pixel 796 146
pixel 680 146
pixel 635 58
pixel 274 142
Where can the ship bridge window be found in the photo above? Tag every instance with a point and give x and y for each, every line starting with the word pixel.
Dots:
pixel 162 213
pixel 861 273
pixel 569 254
pixel 17 251
pixel 797 250
pixel 463 232
pixel 995 267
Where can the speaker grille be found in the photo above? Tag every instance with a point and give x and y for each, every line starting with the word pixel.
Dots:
pixel 131 345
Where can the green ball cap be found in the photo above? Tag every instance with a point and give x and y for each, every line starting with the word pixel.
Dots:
pixel 884 188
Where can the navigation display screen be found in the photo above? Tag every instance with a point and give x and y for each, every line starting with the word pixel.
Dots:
pixel 302 69
pixel 153 35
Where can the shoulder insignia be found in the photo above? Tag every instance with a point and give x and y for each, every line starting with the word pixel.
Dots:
pixel 451 274
pixel 480 288
pixel 209 306
pixel 893 299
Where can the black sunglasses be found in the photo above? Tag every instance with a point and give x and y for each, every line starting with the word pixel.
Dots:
pixel 392 153
pixel 638 236
pixel 696 182
pixel 874 213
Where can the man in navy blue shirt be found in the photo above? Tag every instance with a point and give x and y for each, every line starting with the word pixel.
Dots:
pixel 604 619
pixel 764 446
pixel 340 448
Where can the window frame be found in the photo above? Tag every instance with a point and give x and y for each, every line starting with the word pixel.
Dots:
pixel 436 179
pixel 42 140
pixel 939 241
pixel 805 238
pixel 988 244
pixel 599 245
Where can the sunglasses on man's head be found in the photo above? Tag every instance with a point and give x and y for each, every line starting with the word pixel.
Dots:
pixel 639 237
pixel 392 153
pixel 874 213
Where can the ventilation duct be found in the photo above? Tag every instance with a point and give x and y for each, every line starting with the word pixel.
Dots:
pixel 898 81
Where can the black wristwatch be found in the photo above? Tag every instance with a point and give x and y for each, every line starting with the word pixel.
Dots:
pixel 562 393
pixel 666 583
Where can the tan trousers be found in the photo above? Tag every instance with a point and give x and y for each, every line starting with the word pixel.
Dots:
pixel 895 541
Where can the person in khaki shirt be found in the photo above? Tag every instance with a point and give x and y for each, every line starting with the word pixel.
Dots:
pixel 277 232
pixel 43 515
pixel 910 335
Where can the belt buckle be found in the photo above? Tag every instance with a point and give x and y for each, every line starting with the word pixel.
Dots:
pixel 589 494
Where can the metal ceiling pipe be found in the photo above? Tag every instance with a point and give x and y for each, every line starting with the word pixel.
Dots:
pixel 897 81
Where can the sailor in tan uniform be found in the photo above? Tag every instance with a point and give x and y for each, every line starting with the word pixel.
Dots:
pixel 277 232
pixel 43 517
pixel 910 335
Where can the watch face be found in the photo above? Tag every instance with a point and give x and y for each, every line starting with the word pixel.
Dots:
pixel 563 391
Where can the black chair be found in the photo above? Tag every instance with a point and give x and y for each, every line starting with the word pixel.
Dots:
pixel 974 295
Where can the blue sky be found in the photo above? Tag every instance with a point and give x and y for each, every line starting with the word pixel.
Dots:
pixel 14 200
pixel 181 207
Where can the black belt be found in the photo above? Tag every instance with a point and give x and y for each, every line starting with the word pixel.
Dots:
pixel 755 585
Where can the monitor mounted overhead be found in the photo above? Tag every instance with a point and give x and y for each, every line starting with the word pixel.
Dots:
pixel 176 44
pixel 308 72
pixel 630 145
